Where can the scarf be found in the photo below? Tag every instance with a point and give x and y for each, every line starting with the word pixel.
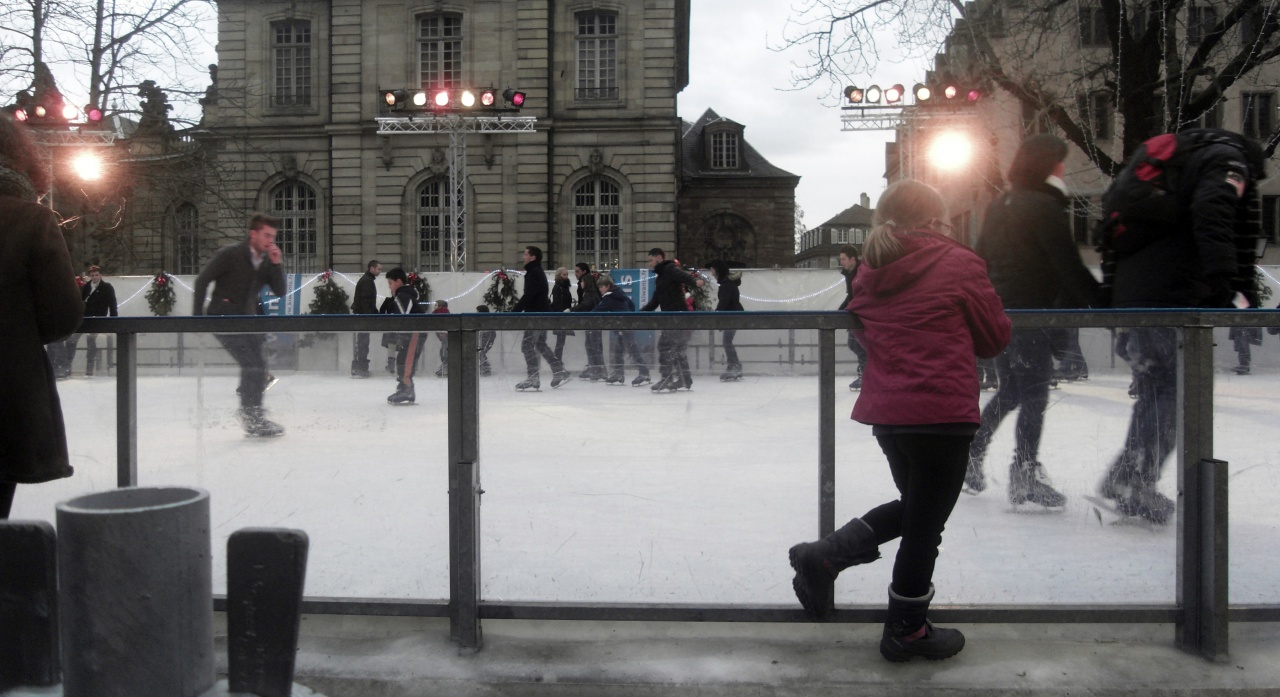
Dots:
pixel 13 183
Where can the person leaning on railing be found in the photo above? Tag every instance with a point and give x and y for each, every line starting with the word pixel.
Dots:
pixel 39 303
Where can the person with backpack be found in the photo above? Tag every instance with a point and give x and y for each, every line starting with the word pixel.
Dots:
pixel 1176 232
pixel 1033 264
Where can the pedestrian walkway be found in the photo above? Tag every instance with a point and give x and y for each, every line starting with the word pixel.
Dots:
pixel 413 657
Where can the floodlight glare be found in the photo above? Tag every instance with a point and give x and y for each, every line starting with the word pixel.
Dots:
pixel 974 95
pixel 873 94
pixel 894 94
pixel 442 98
pixel 514 97
pixel 950 92
pixel 922 92
pixel 87 165
pixel 69 112
pixel 950 151
pixel 487 98
pixel 468 98
pixel 419 98
pixel 853 95
pixel 40 111
pixel 20 114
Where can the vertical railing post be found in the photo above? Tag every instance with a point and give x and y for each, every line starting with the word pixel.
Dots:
pixel 826 432
pixel 1201 560
pixel 464 490
pixel 127 409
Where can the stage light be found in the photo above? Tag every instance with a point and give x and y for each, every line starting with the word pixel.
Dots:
pixel 487 98
pixel 853 95
pixel 468 98
pixel 20 114
pixel 873 94
pixel 922 93
pixel 69 112
pixel 87 165
pixel 513 97
pixel 419 98
pixel 893 95
pixel 442 98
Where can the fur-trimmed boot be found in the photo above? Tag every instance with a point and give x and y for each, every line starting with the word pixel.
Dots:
pixel 908 633
pixel 818 563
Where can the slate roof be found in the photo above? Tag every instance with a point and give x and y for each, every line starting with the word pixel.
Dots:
pixel 853 216
pixel 692 144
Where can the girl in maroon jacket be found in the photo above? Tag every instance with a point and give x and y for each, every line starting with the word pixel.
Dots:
pixel 926 308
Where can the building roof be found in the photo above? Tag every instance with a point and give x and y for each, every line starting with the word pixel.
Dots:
pixel 756 165
pixel 853 216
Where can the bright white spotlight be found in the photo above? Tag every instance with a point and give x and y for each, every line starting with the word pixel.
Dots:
pixel 87 165
pixel 951 151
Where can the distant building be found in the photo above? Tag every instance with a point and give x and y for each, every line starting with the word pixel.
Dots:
pixel 733 205
pixel 820 246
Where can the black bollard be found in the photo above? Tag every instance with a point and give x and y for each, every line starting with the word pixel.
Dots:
pixel 266 570
pixel 28 604
pixel 135 589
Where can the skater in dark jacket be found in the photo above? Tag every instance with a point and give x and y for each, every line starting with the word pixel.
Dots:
pixel 535 298
pixel 404 301
pixel 668 295
pixel 1033 264
pixel 849 261
pixel 99 301
pixel 561 301
pixel 621 342
pixel 728 299
pixel 588 298
pixel 926 308
pixel 364 302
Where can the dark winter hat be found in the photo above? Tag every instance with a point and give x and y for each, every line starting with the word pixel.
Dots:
pixel 1036 158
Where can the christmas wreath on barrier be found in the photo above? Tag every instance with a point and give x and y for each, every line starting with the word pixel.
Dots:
pixel 161 296
pixel 419 283
pixel 330 298
pixel 501 296
pixel 701 294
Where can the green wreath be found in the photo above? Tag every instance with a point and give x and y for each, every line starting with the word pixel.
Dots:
pixel 161 296
pixel 501 296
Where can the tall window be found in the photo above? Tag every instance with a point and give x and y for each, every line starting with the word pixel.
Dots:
pixel 294 203
pixel 724 150
pixel 597 213
pixel 1200 21
pixel 440 51
pixel 597 56
pixel 1093 26
pixel 1255 119
pixel 291 55
pixel 1097 114
pixel 435 248
pixel 186 228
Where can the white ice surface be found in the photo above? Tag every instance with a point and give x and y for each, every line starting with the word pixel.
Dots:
pixel 614 494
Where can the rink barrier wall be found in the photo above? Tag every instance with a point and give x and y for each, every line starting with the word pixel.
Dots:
pixel 1200 613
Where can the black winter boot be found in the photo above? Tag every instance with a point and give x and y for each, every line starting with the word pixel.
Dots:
pixel 818 563
pixel 908 633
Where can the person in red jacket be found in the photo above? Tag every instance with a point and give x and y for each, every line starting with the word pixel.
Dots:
pixel 927 309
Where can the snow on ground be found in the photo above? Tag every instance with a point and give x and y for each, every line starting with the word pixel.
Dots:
pixel 614 494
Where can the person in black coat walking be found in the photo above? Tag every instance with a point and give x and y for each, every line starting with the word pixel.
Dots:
pixel 99 301
pixel 238 273
pixel 535 298
pixel 728 300
pixel 364 302
pixel 1033 264
pixel 588 298
pixel 40 305
pixel 668 295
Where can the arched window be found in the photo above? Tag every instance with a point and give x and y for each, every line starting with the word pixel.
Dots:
pixel 186 230
pixel 437 251
pixel 294 203
pixel 597 212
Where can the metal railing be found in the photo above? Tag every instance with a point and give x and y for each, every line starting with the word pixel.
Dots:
pixel 1200 612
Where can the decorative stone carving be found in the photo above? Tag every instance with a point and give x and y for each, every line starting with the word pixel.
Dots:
pixel 595 161
pixel 289 166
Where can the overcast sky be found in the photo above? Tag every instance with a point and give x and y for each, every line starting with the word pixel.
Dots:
pixel 733 72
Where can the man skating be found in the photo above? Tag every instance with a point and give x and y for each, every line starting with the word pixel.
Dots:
pixel 364 302
pixel 668 295
pixel 537 298
pixel 404 300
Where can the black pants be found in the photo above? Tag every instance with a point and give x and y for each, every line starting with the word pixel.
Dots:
pixel 1025 369
pixel 595 348
pixel 1067 351
pixel 730 353
pixel 409 347
pixel 6 498
pixel 622 344
pixel 673 359
pixel 859 352
pixel 928 470
pixel 360 360
pixel 247 350
pixel 1153 429
pixel 534 345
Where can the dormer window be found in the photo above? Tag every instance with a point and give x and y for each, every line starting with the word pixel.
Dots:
pixel 724 149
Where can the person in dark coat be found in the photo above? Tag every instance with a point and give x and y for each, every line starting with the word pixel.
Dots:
pixel 668 295
pixel 39 304
pixel 622 343
pixel 926 309
pixel 484 343
pixel 1033 264
pixel 728 299
pixel 561 301
pixel 99 301
pixel 239 273
pixel 536 298
pixel 404 300
pixel 588 298
pixel 1191 264
pixel 849 261
pixel 364 302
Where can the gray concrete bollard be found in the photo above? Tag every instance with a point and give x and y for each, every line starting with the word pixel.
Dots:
pixel 135 593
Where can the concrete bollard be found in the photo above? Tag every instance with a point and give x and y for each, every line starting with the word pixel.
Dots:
pixel 136 593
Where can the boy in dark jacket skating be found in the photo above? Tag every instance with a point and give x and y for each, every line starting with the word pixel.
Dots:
pixel 403 301
pixel 614 300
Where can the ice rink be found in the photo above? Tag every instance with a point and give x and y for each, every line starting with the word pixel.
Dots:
pixel 599 494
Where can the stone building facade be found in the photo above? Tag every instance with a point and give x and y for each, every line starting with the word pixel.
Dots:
pixel 290 128
pixel 734 204
pixel 820 246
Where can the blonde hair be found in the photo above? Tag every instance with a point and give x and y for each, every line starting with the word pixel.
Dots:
pixel 906 205
pixel 562 272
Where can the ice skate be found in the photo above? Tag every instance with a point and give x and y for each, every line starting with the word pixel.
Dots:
pixel 615 380
pixel 530 385
pixel 641 380
pixel 1138 501
pixel 733 374
pixel 404 395
pixel 667 384
pixel 856 384
pixel 256 424
pixel 1029 484
pixel 974 481
pixel 559 378
pixel 271 382
pixel 359 374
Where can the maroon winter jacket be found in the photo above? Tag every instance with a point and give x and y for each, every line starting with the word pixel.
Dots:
pixel 925 317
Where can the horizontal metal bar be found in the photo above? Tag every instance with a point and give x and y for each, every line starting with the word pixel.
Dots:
pixel 647 320
pixel 362 606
